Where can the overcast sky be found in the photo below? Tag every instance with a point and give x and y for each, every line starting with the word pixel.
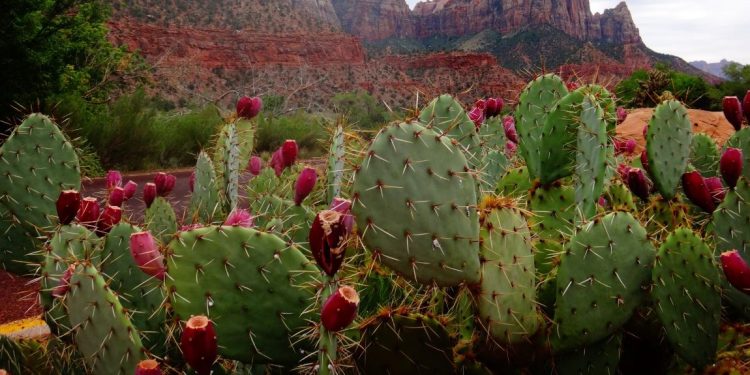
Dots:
pixel 691 29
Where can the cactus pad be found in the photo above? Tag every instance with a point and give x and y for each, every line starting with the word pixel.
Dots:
pixel 415 204
pixel 445 116
pixel 732 220
pixel 554 211
pixel 591 157
pixel 741 140
pixel 601 357
pixel 704 155
pixel 687 296
pixel 254 287
pixel 668 146
pixel 514 183
pixel 204 202
pixel 336 164
pixel 558 149
pixel 231 161
pixel 18 249
pixel 161 220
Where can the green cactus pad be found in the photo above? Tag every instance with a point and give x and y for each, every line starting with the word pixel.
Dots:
pixel 231 171
pixel 662 216
pixel 204 202
pixel 514 183
pixel 591 157
pixel 255 288
pixel 732 220
pixel 11 356
pixel 245 134
pixel 704 155
pixel 403 344
pixel 102 331
pixel 554 211
pixel 598 358
pixel 668 143
pixel 336 164
pixel 415 204
pixel 138 292
pixel 507 297
pixel 619 198
pixel 161 220
pixel 687 296
pixel 558 148
pixel 445 116
pixel 600 279
pixel 283 218
pixel 741 140
pixel 70 244
pixel 494 162
pixel 18 249
pixel 534 105
pixel 36 163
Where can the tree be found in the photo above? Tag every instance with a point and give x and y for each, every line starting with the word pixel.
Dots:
pixel 644 88
pixel 738 80
pixel 55 47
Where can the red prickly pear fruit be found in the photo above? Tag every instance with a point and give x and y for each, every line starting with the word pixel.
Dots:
pixel 622 115
pixel 746 106
pixel 289 152
pixel 493 107
pixel 630 146
pixel 116 196
pixel 191 181
pixel 169 185
pixel 477 116
pixel 626 147
pixel 110 217
pixel 736 270
pixel 510 148
pixel 88 212
pixel 277 162
pixel 344 206
pixel 129 189
pixel 340 309
pixel 160 180
pixel 249 107
pixel 67 206
pixel 716 188
pixel 644 161
pixel 239 217
pixel 305 184
pixel 327 238
pixel 730 166
pixel 638 183
pixel 623 170
pixel 602 201
pixel 63 286
pixel 509 126
pixel 148 367
pixel 733 111
pixel 114 179
pixel 571 86
pixel 255 165
pixel 146 254
pixel 481 104
pixel 696 190
pixel 199 344
pixel 149 193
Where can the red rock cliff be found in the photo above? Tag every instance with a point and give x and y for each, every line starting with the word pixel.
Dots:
pixel 375 19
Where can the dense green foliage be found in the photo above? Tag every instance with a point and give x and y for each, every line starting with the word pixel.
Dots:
pixel 362 110
pixel 644 88
pixel 738 80
pixel 307 129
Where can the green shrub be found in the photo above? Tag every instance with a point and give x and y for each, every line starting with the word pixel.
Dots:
pixel 181 136
pixel 308 130
pixel 645 87
pixel 362 110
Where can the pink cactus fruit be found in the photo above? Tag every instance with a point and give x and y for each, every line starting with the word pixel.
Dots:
pixel 305 184
pixel 638 183
pixel 509 126
pixel 344 206
pixel 114 179
pixel 148 367
pixel 696 190
pixel 129 189
pixel 88 212
pixel 255 165
pixel 477 116
pixel 716 188
pixel 746 106
pixel 493 107
pixel 510 148
pixel 289 152
pixel 67 206
pixel 146 254
pixel 731 166
pixel 249 107
pixel 733 111
pixel 340 309
pixel 277 162
pixel 110 217
pixel 736 270
pixel 116 196
pixel 149 193
pixel 622 115
pixel 199 344
pixel 328 240
pixel 239 217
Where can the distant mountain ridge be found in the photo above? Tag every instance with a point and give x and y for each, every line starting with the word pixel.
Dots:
pixel 716 68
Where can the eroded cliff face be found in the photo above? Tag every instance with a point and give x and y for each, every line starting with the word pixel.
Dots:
pixel 375 19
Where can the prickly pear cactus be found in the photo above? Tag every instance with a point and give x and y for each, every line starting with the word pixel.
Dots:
pixel 402 343
pixel 554 211
pixel 283 218
pixel 18 250
pixel 558 147
pixel 102 331
pixel 11 356
pixel 534 105
pixel 668 143
pixel 36 163
pixel 245 135
pixel 161 220
pixel 514 183
pixel 336 164
pixel 687 296
pixel 231 171
pixel 600 279
pixel 704 155
pixel 731 220
pixel 415 204
pixel 591 157
pixel 741 140
pixel 139 293
pixel 204 202
pixel 445 116
pixel 493 162
pixel 507 298
pixel 601 357
pixel 619 198
pixel 255 287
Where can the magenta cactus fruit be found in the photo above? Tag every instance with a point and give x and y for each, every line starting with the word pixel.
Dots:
pixel 477 116
pixel 67 206
pixel 289 152
pixel 239 217
pixel 164 183
pixel 626 147
pixel 731 166
pixel 509 126
pixel 733 111
pixel 114 179
pixel 736 270
pixel 110 217
pixel 746 106
pixel 340 309
pixel 493 107
pixel 169 185
pixel 344 207
pixel 63 285
pixel 129 189
pixel 644 161
pixel 249 107
pixel 146 254
pixel 638 183
pixel 716 188
pixel 149 193
pixel 148 367
pixel 199 344
pixel 696 190
pixel 305 184
pixel 510 148
pixel 622 115
pixel 88 212
pixel 327 238
pixel 255 165
pixel 116 196
pixel 277 162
